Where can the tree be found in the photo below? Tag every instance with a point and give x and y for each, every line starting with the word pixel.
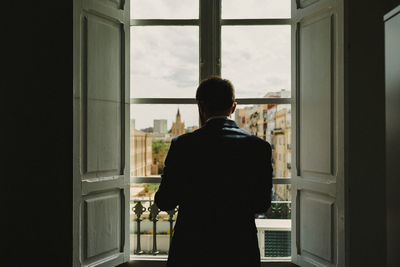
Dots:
pixel 160 150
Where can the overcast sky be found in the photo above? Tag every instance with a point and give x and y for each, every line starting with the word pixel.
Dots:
pixel 165 60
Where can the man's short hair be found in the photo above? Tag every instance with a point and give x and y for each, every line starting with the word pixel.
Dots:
pixel 216 93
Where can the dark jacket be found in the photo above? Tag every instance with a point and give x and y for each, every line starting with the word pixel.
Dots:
pixel 220 177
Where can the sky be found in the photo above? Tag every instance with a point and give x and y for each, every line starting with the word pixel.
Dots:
pixel 165 60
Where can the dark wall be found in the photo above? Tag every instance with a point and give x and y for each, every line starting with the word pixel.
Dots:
pixel 365 133
pixel 36 90
pixel 390 4
pixel 392 68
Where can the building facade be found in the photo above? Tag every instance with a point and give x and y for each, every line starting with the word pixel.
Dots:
pixel 140 153
pixel 160 126
pixel 272 123
pixel 282 149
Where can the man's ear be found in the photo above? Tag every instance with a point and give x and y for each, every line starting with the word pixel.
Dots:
pixel 233 107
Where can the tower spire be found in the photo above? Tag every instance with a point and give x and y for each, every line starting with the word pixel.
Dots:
pixel 178 116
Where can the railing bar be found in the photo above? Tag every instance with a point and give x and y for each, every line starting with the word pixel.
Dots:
pixel 145 179
pixel 144 200
pixel 154 211
pixel 138 210
pixel 171 214
pixel 281 180
pixel 157 179
pixel 155 251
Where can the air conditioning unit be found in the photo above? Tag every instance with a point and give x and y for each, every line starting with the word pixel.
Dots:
pixel 274 237
pixel 277 244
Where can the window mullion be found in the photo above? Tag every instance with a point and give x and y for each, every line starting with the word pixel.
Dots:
pixel 256 22
pixel 184 101
pixel 164 22
pixel 210 38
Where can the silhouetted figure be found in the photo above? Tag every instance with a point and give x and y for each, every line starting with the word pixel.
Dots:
pixel 220 177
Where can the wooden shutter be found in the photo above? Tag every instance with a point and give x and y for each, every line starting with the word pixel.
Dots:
pixel 318 176
pixel 101 132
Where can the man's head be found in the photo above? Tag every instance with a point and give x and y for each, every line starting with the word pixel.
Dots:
pixel 215 97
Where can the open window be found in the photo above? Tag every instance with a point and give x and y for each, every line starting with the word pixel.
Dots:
pixel 173 47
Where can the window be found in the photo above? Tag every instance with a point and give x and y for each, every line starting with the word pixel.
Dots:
pixel 174 45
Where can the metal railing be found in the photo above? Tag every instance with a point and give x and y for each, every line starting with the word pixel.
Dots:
pixel 154 211
pixel 141 207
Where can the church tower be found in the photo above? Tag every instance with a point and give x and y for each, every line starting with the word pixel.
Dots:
pixel 178 127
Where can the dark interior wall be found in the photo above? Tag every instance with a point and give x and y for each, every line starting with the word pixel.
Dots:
pixel 36 90
pixel 392 69
pixel 365 133
pixel 390 4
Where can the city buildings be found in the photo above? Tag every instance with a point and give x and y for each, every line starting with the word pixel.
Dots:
pixel 160 126
pixel 192 128
pixel 240 116
pixel 149 146
pixel 272 123
pixel 160 130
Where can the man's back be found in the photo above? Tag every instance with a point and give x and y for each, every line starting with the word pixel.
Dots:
pixel 219 176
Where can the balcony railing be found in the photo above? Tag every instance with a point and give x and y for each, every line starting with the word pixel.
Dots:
pixel 152 230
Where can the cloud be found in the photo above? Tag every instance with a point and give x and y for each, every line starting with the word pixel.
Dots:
pixel 255 9
pixel 165 60
pixel 180 78
pixel 162 9
pixel 256 59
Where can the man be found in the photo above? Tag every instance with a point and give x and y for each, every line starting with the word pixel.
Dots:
pixel 220 177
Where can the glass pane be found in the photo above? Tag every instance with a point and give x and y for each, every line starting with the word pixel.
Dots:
pixel 272 123
pixel 164 9
pixel 152 128
pixel 250 9
pixel 257 60
pixel 151 131
pixel 164 61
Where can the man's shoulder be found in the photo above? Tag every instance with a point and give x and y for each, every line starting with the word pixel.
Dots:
pixel 183 138
pixel 261 142
pixel 191 137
